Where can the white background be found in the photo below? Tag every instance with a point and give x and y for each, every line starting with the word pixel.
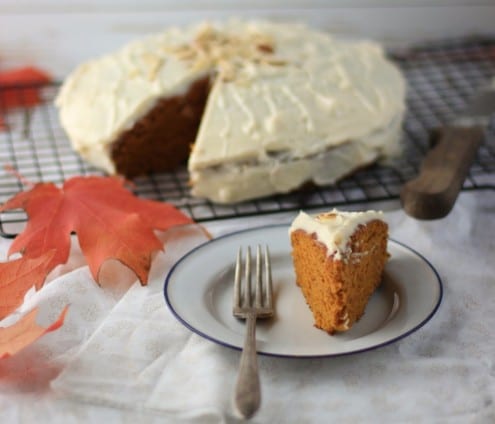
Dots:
pixel 57 35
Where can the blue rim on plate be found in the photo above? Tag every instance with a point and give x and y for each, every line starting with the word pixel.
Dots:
pixel 197 290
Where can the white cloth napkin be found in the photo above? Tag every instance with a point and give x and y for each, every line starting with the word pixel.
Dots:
pixel 134 359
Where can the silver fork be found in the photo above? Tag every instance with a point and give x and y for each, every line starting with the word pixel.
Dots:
pixel 247 391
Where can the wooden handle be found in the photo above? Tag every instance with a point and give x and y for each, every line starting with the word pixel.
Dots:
pixel 432 194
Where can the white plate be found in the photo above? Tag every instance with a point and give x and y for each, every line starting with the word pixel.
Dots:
pixel 198 290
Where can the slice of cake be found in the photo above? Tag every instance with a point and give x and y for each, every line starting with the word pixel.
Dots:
pixel 265 106
pixel 339 258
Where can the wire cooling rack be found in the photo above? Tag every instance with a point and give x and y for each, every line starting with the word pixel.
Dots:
pixel 441 78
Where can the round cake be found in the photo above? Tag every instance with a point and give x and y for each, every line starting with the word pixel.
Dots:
pixel 255 108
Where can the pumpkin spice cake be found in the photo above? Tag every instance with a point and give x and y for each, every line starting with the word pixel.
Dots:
pixel 339 258
pixel 254 107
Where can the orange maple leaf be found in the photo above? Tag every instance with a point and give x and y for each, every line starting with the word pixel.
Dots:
pixel 110 222
pixel 20 87
pixel 18 276
pixel 24 332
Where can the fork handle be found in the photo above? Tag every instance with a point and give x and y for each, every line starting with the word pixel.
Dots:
pixel 247 390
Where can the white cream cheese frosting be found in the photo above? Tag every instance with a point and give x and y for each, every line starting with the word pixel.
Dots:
pixel 334 229
pixel 106 96
pixel 287 104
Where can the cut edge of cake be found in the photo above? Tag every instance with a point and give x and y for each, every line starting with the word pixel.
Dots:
pixel 339 259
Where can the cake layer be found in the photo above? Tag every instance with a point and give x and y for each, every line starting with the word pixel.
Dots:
pixel 106 97
pixel 162 139
pixel 281 173
pixel 338 259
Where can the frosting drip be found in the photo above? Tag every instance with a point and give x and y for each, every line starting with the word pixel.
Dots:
pixel 334 229
pixel 326 93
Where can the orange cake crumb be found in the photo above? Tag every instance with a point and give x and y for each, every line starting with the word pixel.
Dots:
pixel 339 258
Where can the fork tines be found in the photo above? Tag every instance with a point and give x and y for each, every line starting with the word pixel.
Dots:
pixel 243 293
